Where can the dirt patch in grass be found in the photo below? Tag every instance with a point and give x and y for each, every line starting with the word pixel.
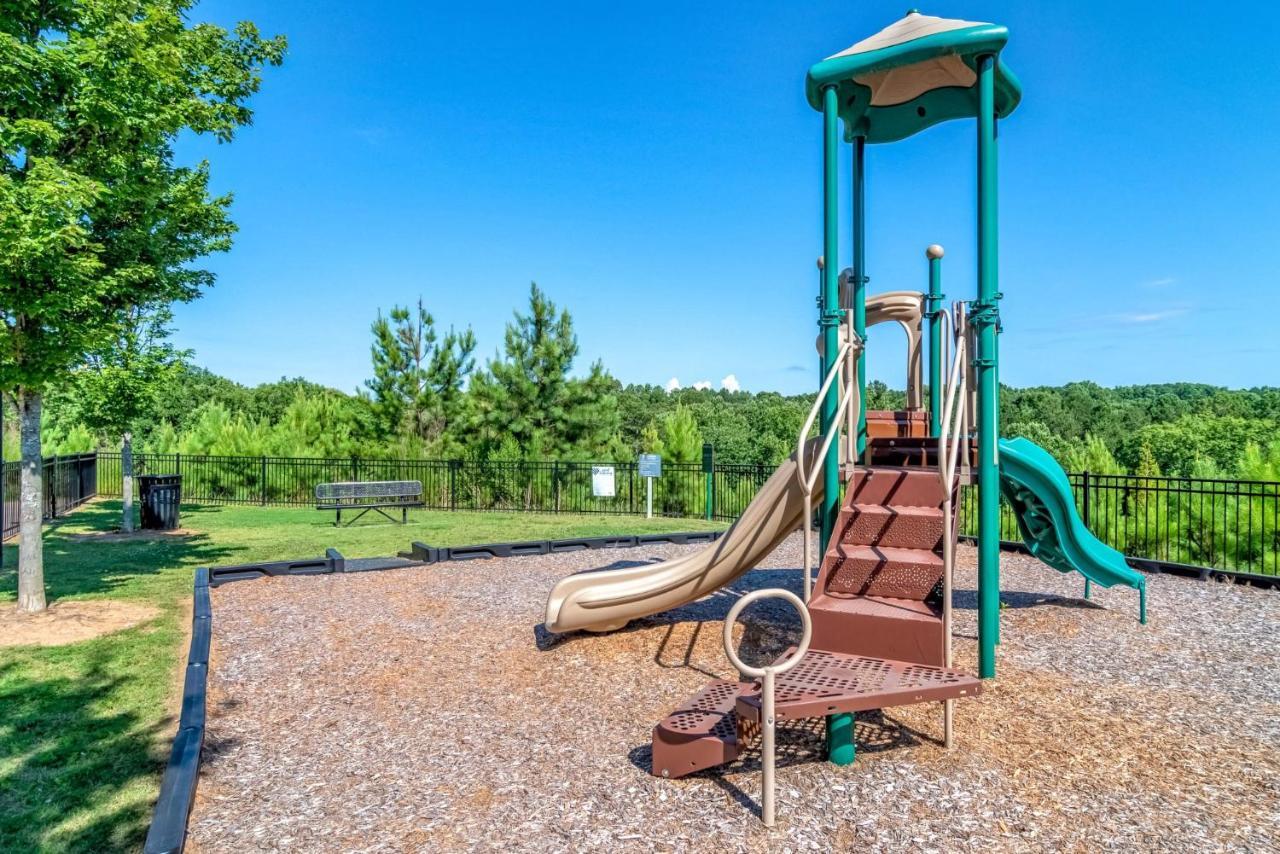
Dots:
pixel 69 622
pixel 131 536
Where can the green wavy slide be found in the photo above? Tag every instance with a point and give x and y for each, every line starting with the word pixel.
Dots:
pixel 1038 490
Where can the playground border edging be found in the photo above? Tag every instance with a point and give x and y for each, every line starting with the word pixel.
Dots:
pixel 1163 567
pixel 167 833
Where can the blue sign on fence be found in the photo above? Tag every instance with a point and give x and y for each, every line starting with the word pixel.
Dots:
pixel 650 465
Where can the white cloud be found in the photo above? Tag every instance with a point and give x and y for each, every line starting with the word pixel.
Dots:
pixel 673 384
pixel 1160 283
pixel 1152 316
pixel 702 385
pixel 730 383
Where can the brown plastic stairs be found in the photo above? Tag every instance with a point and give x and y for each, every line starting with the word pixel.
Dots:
pixel 877 626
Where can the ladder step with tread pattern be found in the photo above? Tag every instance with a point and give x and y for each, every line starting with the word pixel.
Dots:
pixel 894 526
pixel 881 571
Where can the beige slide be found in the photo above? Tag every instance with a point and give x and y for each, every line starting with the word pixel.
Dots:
pixel 609 599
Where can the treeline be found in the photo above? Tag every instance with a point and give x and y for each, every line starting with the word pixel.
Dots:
pixel 427 397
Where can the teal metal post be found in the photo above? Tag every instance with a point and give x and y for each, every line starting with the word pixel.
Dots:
pixel 986 317
pixel 860 277
pixel 934 254
pixel 840 744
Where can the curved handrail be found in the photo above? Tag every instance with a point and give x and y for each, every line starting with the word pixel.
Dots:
pixel 954 420
pixel 767 676
pixel 843 373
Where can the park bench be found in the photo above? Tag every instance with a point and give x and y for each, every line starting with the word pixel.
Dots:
pixel 363 496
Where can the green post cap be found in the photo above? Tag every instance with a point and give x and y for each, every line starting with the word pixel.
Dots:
pixel 913 74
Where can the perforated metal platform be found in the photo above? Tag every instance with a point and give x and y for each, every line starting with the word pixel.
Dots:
pixel 824 683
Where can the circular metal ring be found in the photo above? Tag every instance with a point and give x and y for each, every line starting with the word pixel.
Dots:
pixel 756 595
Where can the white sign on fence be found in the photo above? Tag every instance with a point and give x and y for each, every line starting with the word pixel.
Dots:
pixel 602 481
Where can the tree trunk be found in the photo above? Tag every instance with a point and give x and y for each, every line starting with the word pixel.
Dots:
pixel 30 505
pixel 126 479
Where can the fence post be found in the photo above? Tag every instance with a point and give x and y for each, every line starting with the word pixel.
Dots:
pixel 708 469
pixel 177 464
pixel 555 484
pixel 354 475
pixel 263 481
pixel 1085 512
pixel 453 484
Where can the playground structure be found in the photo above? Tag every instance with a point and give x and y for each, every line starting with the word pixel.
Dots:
pixel 877 618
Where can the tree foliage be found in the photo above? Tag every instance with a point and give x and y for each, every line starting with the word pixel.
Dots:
pixel 418 377
pixel 529 399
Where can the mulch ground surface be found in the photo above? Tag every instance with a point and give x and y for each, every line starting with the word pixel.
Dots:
pixel 419 709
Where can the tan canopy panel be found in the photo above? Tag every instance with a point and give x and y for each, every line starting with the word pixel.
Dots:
pixel 914 73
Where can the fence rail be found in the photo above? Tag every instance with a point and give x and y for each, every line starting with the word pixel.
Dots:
pixel 69 481
pixel 542 487
pixel 1231 525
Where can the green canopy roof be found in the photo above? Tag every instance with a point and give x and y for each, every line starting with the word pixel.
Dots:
pixel 916 72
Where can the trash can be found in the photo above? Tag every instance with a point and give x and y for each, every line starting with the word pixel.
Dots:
pixel 161 495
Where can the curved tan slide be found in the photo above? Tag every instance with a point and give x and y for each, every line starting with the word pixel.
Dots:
pixel 606 600
pixel 609 599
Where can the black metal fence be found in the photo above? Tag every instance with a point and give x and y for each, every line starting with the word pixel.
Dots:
pixel 543 487
pixel 69 481
pixel 1230 525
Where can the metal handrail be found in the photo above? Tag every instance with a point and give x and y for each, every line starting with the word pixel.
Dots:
pixel 843 373
pixel 767 676
pixel 956 416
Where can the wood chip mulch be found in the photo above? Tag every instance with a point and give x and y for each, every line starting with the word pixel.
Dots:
pixel 419 709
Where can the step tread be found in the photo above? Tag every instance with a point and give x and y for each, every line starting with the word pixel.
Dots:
pixel 877 606
pixel 825 683
pixel 700 733
pixel 896 509
pixel 887 554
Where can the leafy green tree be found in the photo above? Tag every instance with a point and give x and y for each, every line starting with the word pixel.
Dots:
pixel 95 214
pixel 119 382
pixel 418 378
pixel 530 396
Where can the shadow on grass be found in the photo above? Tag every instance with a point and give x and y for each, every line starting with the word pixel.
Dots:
pixel 78 565
pixel 70 757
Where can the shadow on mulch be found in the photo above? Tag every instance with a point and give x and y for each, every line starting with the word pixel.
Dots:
pixel 967 600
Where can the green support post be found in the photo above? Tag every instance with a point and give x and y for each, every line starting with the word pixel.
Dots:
pixel 934 254
pixel 986 317
pixel 860 279
pixel 840 746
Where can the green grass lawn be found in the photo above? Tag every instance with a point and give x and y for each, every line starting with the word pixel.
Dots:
pixel 85 728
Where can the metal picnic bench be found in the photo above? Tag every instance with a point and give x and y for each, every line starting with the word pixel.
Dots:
pixel 369 495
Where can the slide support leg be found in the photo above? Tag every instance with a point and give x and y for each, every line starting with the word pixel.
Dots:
pixel 841 749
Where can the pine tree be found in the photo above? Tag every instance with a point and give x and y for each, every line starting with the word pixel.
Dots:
pixel 529 397
pixel 418 377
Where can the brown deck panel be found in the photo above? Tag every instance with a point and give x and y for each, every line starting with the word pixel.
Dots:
pixel 824 683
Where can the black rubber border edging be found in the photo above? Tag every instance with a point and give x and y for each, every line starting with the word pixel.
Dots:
pixel 432 554
pixel 168 831
pixel 1163 567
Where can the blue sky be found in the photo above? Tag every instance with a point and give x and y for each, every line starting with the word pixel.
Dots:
pixel 655 168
